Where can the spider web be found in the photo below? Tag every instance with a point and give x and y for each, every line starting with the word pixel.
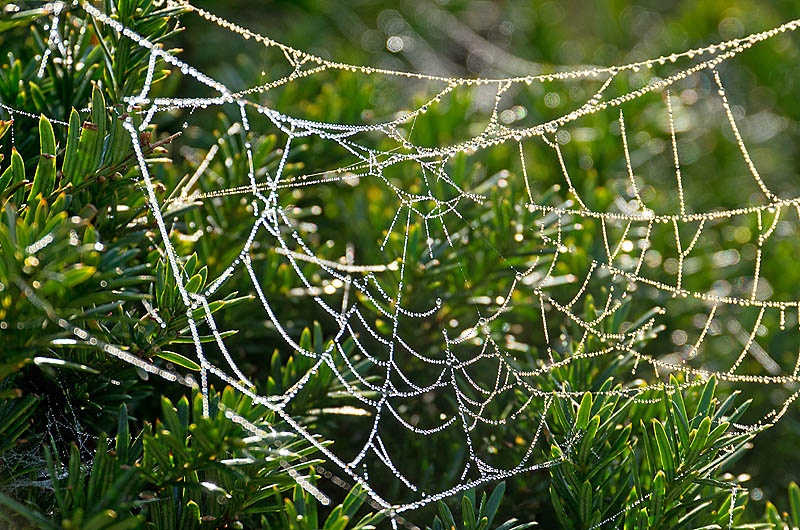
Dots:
pixel 382 293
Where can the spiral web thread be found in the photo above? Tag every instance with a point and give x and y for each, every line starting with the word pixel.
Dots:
pixel 359 283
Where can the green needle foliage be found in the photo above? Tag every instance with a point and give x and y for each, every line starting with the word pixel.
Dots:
pixel 82 267
pixel 667 469
pixel 480 519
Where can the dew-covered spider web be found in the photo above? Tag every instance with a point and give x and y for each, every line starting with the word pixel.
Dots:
pixel 378 238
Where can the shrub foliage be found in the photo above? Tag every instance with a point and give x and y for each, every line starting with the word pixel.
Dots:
pixel 90 442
